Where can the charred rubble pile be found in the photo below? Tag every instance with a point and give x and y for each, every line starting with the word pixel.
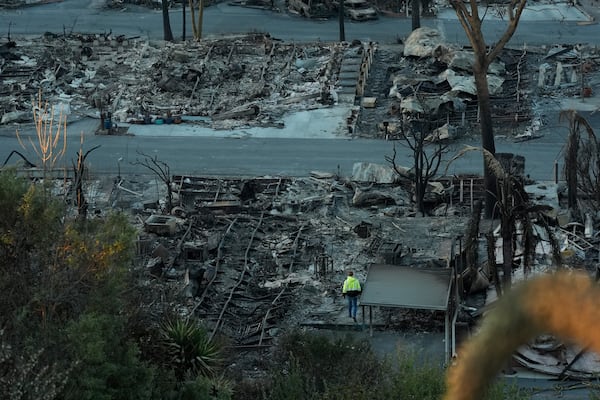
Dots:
pixel 252 257
pixel 430 81
pixel 568 71
pixel 246 80
pixel 426 79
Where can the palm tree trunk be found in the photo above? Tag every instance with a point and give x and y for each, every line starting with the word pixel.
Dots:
pixel 571 165
pixel 507 255
pixel 487 131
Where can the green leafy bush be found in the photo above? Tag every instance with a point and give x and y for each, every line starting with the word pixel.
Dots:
pixel 320 367
pixel 30 228
pixel 205 388
pixel 314 367
pixel 414 379
pixel 109 366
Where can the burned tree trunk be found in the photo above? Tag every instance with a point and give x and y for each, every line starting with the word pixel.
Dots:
pixel 471 22
pixel 341 21
pixel 415 14
pixel 471 252
pixel 183 21
pixel 79 175
pixel 197 23
pixel 487 130
pixel 491 256
pixel 168 34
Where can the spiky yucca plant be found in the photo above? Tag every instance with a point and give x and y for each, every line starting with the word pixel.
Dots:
pixel 189 348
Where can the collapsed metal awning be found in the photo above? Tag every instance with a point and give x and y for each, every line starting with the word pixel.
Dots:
pixel 407 287
pixel 413 288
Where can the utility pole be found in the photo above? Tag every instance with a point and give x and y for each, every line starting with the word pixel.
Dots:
pixel 183 13
pixel 342 32
pixel 416 14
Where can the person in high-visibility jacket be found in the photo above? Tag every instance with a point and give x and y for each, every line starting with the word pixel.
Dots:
pixel 352 290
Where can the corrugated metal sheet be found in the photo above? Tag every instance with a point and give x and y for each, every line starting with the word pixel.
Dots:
pixel 407 287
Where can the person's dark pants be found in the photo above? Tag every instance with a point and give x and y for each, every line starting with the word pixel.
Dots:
pixel 352 306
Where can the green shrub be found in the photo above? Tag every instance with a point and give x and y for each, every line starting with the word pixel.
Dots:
pixel 314 367
pixel 413 379
pixel 502 390
pixel 326 368
pixel 205 388
pixel 292 385
pixel 24 375
pixel 109 367
pixel 30 228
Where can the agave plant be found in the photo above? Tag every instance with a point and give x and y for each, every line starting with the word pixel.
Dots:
pixel 189 347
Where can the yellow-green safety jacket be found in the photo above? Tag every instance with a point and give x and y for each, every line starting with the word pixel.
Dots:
pixel 351 287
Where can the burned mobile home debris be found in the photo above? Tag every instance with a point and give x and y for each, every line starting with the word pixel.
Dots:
pixel 249 80
pixel 254 80
pixel 252 256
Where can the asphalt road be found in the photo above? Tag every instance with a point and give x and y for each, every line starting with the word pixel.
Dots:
pixel 287 157
pixel 88 16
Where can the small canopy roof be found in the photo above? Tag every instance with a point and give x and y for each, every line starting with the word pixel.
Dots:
pixel 407 287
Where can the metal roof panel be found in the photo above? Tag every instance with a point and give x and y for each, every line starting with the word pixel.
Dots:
pixel 407 287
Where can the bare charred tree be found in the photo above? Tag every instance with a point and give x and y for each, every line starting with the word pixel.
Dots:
pixel 26 162
pixel 425 163
pixel 162 172
pixel 79 176
pixel 471 21
pixel 197 23
pixel 167 33
pixel 50 143
pixel 582 163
